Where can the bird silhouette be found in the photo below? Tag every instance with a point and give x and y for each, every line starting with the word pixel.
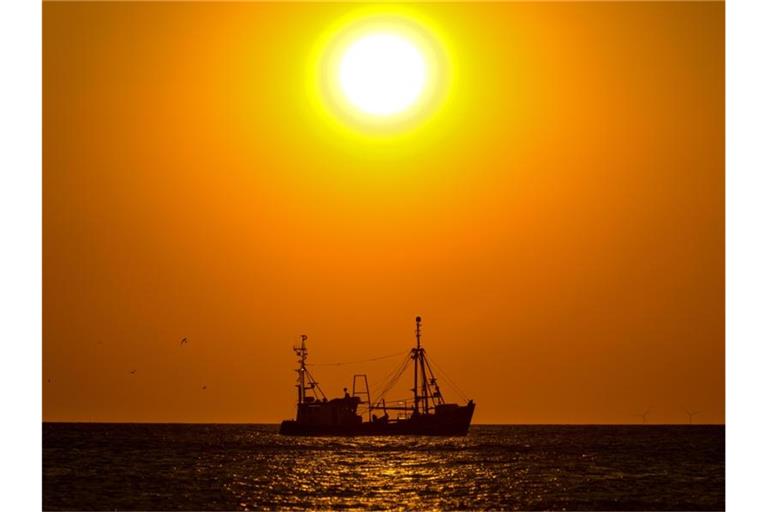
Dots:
pixel 644 415
pixel 183 340
pixel 132 372
pixel 691 414
pixel 205 387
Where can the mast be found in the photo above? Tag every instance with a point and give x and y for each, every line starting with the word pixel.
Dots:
pixel 426 394
pixel 305 381
pixel 301 352
pixel 417 359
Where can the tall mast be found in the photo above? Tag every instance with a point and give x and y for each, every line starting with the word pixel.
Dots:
pixel 416 360
pixel 301 352
pixel 424 384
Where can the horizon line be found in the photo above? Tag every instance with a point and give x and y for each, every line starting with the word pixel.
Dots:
pixel 70 422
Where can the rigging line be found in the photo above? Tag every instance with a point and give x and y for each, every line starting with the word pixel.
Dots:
pixel 395 376
pixel 355 362
pixel 382 390
pixel 392 372
pixel 455 387
pixel 392 378
pixel 452 384
pixel 390 385
pixel 314 383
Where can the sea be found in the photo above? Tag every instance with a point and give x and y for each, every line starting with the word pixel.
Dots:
pixel 251 467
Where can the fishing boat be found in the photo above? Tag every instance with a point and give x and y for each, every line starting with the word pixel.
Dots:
pixel 425 413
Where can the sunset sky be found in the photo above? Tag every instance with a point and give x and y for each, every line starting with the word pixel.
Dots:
pixel 557 220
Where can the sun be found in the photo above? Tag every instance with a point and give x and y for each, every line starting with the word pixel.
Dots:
pixel 379 72
pixel 382 73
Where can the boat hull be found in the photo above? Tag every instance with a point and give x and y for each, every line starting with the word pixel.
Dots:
pixel 453 423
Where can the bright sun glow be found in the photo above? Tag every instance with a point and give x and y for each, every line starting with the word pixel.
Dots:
pixel 382 74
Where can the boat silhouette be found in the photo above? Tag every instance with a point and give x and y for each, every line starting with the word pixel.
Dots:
pixel 426 413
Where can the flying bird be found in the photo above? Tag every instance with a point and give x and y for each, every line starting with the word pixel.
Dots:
pixel 205 387
pixel 644 415
pixel 184 340
pixel 691 414
pixel 132 372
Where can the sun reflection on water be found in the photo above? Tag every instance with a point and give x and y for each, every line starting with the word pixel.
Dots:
pixel 251 467
pixel 377 473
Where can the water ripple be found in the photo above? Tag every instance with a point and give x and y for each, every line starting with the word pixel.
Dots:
pixel 250 467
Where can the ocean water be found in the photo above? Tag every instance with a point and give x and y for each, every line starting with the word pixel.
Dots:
pixel 251 467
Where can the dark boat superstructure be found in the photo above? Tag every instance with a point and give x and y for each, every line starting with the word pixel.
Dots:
pixel 426 414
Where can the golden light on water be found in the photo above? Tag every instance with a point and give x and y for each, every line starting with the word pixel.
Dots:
pixel 379 71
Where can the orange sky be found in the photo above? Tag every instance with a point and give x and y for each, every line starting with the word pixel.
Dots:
pixel 560 226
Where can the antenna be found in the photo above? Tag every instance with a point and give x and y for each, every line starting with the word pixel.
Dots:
pixel 418 332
